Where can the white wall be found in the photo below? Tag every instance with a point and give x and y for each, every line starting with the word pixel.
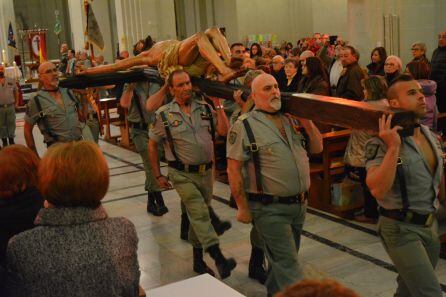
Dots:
pixel 77 20
pixel 330 17
pixel 138 18
pixel 420 20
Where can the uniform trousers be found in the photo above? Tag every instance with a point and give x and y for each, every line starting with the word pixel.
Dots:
pixel 279 227
pixel 93 123
pixel 195 191
pixel 141 140
pixel 7 121
pixel 414 250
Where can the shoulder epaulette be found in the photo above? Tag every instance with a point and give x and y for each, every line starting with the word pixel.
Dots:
pixel 163 108
pixel 243 116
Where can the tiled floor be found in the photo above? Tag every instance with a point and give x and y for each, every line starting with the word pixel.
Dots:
pixel 331 248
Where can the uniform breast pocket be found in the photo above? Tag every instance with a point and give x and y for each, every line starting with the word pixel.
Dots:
pixel 71 106
pixel 50 112
pixel 413 166
pixel 177 129
pixel 206 125
pixel 268 147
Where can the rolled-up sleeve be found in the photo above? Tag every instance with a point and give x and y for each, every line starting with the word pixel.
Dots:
pixel 237 146
pixel 374 152
pixel 157 131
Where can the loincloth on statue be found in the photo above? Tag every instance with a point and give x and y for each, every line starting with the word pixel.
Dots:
pixel 169 61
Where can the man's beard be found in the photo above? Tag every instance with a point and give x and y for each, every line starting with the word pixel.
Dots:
pixel 275 103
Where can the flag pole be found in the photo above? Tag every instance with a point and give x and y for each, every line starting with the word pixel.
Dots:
pixel 22 64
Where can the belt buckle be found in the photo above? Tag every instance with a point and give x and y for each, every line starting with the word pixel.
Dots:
pixel 253 147
pixel 430 220
pixel 201 168
pixel 409 216
pixel 399 161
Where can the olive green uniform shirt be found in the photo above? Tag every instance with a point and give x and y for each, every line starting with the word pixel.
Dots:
pixel 284 164
pixel 143 90
pixel 7 91
pixel 191 134
pixel 62 120
pixel 422 186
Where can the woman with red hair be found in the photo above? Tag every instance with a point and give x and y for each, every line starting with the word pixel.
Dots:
pixel 19 199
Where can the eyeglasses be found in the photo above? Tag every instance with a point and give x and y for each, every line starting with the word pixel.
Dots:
pixel 389 64
pixel 441 36
pixel 416 49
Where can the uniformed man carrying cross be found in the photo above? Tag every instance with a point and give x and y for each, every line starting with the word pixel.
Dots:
pixel 269 173
pixel 187 126
pixel 405 175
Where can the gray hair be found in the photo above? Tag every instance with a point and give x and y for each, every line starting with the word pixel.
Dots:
pixel 422 46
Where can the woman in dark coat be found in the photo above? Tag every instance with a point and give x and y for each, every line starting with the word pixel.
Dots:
pixel 290 81
pixel 75 249
pixel 378 57
pixel 19 199
pixel 393 67
pixel 314 80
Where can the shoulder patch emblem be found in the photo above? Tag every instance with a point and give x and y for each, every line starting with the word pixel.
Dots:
pixel 232 137
pixel 371 151
pixel 176 123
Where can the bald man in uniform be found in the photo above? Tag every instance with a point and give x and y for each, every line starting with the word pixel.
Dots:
pixel 55 110
pixel 269 173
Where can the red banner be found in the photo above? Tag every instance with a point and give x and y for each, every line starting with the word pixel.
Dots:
pixel 37 45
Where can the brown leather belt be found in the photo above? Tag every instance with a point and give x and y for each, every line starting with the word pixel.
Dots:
pixel 6 105
pixel 190 168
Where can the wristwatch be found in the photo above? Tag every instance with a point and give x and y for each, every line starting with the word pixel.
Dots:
pixel 219 107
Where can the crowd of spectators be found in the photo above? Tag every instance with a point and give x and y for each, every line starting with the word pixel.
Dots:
pixel 96 255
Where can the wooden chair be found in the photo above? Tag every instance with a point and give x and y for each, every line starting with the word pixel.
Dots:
pixel 323 174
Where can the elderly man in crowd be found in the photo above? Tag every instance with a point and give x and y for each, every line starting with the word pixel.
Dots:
pixel 277 66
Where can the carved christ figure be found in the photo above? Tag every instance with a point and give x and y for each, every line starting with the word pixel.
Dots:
pixel 194 54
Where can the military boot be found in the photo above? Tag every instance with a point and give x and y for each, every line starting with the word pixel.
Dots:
pixel 11 140
pixel 151 206
pixel 160 203
pixel 224 266
pixel 200 266
pixel 184 235
pixel 220 227
pixel 256 269
pixel 5 142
